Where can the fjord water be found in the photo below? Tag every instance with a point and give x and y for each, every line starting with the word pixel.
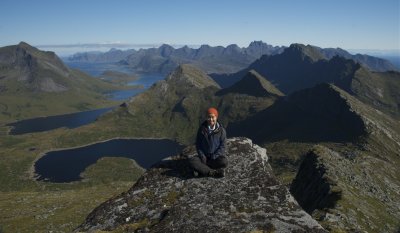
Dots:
pixel 96 69
pixel 74 120
pixel 67 165
pixel 146 80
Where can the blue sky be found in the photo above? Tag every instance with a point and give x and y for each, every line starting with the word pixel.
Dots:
pixel 349 24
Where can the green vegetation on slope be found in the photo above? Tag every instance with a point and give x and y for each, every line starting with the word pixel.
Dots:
pixel 30 206
pixel 35 83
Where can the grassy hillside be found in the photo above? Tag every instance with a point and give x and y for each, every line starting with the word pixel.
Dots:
pixel 36 83
pixel 30 206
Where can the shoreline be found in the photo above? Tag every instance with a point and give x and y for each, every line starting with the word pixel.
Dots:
pixel 31 172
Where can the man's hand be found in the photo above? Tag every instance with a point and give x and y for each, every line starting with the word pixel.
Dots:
pixel 203 159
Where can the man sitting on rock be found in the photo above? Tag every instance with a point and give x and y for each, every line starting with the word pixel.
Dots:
pixel 210 145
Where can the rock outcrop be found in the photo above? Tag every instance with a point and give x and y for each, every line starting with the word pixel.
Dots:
pixel 167 198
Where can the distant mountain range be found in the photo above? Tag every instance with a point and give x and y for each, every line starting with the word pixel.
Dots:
pixel 300 66
pixel 166 58
pixel 36 83
pixel 210 59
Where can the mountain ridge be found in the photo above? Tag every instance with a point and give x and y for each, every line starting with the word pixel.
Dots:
pixel 165 58
pixel 300 67
pixel 300 114
pixel 216 59
pixel 345 138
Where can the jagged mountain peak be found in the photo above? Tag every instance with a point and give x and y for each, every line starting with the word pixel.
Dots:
pixel 233 48
pixel 49 56
pixel 205 46
pixel 256 43
pixel 255 85
pixel 37 70
pixel 309 51
pixel 172 200
pixel 26 56
pixel 166 50
pixel 186 75
pixel 24 45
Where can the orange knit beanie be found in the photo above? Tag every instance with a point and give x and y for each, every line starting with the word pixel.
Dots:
pixel 212 111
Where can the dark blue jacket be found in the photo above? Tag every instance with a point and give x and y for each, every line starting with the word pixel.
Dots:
pixel 211 144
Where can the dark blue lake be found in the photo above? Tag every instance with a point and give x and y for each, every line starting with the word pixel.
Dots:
pixel 71 121
pixel 67 165
pixel 74 120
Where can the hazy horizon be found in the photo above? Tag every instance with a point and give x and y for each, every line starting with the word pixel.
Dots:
pixel 70 49
pixel 350 25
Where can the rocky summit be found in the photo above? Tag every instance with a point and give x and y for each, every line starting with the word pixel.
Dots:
pixel 168 198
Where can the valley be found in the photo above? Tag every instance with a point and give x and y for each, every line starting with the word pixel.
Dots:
pixel 330 128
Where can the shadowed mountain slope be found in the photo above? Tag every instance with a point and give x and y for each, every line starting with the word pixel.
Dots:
pixel 316 114
pixel 253 84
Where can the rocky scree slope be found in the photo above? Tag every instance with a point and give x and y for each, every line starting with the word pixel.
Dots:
pixel 167 198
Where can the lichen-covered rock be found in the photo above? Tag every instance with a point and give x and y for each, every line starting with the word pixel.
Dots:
pixel 167 198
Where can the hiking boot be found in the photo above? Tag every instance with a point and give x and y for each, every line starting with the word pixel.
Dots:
pixel 219 173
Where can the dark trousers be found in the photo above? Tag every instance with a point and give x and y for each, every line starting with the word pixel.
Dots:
pixel 204 168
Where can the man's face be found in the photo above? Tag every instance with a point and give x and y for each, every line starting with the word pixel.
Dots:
pixel 211 119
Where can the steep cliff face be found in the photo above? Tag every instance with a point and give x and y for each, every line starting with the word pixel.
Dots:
pixel 315 186
pixel 167 198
